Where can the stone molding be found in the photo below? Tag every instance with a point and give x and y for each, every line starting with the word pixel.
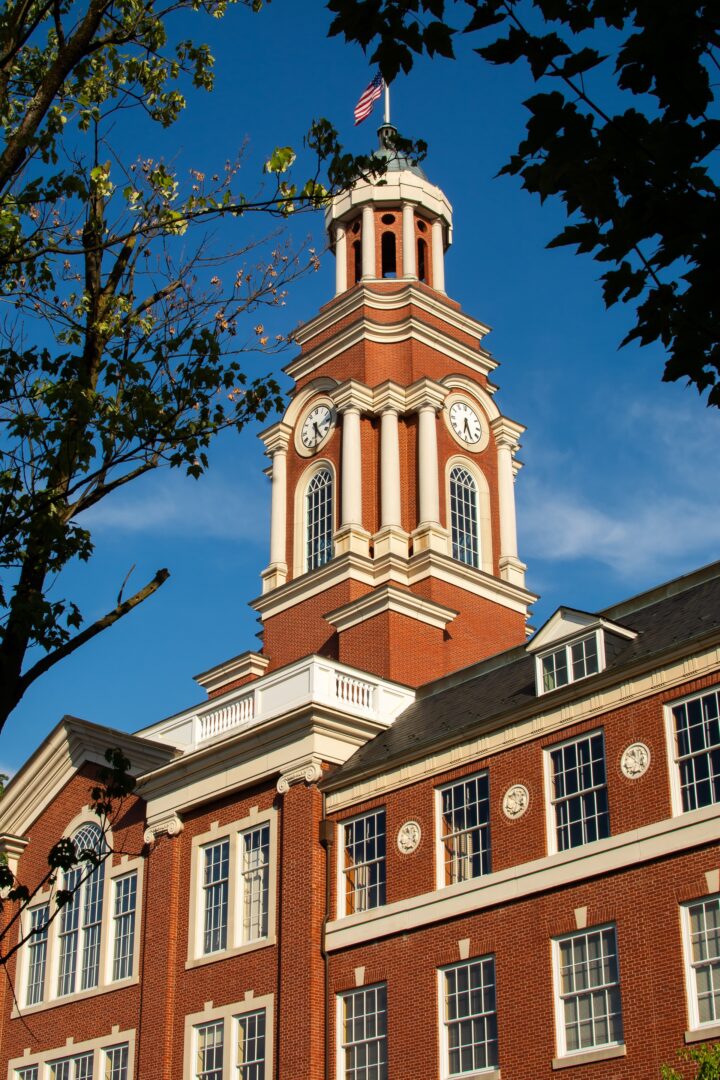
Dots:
pixel 12 848
pixel 390 598
pixel 309 772
pixel 276 438
pixel 247 663
pixel 170 825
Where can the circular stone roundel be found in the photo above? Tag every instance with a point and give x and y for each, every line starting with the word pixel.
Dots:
pixel 635 760
pixel 515 801
pixel 408 837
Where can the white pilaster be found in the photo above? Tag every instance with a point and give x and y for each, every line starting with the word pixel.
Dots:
pixel 408 239
pixel 389 468
pixel 351 399
pixel 506 434
pixel 368 242
pixel 427 397
pixel 340 259
pixel 438 256
pixel 276 441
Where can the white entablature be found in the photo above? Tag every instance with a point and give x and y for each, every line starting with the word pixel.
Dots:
pixel 310 681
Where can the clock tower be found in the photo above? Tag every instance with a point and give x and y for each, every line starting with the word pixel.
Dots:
pixel 393 542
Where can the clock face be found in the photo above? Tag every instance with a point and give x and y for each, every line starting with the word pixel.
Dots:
pixel 316 426
pixel 465 422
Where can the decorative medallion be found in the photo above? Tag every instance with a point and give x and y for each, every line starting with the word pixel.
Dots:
pixel 515 801
pixel 635 760
pixel 408 837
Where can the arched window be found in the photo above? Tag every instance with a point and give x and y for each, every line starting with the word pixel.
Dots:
pixel 319 520
pixel 387 251
pixel 422 260
pixel 357 260
pixel 81 917
pixel 464 517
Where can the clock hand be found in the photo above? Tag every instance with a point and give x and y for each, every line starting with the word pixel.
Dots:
pixel 466 428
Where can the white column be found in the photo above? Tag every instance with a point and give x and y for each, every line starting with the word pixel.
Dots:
pixel 408 239
pixel 368 242
pixel 428 466
pixel 438 256
pixel 351 501
pixel 340 259
pixel 278 505
pixel 389 469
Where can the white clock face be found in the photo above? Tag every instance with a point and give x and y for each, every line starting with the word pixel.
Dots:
pixel 316 426
pixel 465 422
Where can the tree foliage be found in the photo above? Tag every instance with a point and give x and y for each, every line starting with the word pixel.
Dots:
pixel 125 334
pixel 624 131
pixel 705 1057
pixel 108 799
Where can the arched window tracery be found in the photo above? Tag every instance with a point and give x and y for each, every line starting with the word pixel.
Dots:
pixel 319 520
pixel 81 918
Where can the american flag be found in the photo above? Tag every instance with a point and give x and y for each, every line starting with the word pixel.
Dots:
pixel 368 98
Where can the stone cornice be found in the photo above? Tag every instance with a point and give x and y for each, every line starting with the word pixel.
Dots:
pixel 247 663
pixel 410 295
pixel 391 334
pixel 342 567
pixel 71 743
pixel 435 564
pixel 390 598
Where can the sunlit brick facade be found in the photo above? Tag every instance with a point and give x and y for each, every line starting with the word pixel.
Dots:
pixel 407 838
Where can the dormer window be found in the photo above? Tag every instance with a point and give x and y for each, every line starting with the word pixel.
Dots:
pixel 572 645
pixel 571 662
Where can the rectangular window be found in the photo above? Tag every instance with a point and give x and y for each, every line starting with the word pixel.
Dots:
pixel 116 1063
pixel 465 829
pixel 216 863
pixel 251 1046
pixel 579 791
pixel 37 954
pixel 209 1059
pixel 91 927
pixel 570 662
pixel 697 737
pixel 124 926
pixel 590 1014
pixel 364 869
pixel 30 1073
pixel 68 936
pixel 703 938
pixel 255 881
pixel 76 1068
pixel 363 1034
pixel 95 1062
pixel 469 1017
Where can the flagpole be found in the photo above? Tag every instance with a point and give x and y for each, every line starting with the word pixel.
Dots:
pixel 387 104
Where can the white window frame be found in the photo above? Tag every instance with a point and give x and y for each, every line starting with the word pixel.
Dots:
pixel 440 868
pixel 234 833
pixel 342 899
pixel 97 1047
pixel 228 1015
pixel 340 1026
pixel 698 1029
pixel 484 514
pixel 492 1072
pixel 550 802
pixel 673 755
pixel 566 647
pixel 300 518
pixel 50 997
pixel 598 1050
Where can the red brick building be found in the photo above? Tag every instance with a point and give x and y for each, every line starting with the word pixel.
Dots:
pixel 404 839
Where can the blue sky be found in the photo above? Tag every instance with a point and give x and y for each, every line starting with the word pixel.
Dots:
pixel 620 485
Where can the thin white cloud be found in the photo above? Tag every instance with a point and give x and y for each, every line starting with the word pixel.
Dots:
pixel 214 507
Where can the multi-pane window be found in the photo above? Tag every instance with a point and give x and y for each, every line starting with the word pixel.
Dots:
pixel 570 662
pixel 74 1068
pixel 579 791
pixel 251 1046
pixel 37 954
pixel 216 869
pixel 209 1053
pixel 81 917
pixel 464 516
pixel 116 1063
pixel 255 880
pixel 469 1017
pixel 465 829
pixel 590 1013
pixel 124 926
pixel 363 1034
pixel 697 734
pixel 364 867
pixel 31 1073
pixel 703 933
pixel 319 520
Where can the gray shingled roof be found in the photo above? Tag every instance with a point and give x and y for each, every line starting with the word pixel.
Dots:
pixel 480 698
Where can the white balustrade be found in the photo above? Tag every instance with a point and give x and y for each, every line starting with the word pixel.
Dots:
pixel 354 691
pixel 236 714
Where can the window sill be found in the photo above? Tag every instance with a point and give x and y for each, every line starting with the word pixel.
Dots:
pixel 587 1057
pixel 225 954
pixel 68 999
pixel 484 1074
pixel 710 1031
